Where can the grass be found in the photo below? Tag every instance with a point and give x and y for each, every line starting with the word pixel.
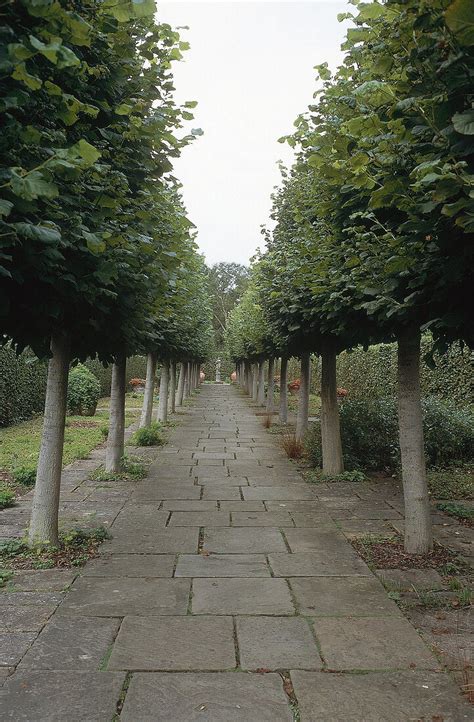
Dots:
pixel 459 511
pixel 316 476
pixel 75 548
pixel 291 445
pixel 132 401
pixel 148 436
pixel 455 483
pixel 19 444
pixel 7 496
pixel 131 470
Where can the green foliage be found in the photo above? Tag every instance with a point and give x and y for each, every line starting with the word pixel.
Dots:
pixel 5 576
pixel 22 385
pixel 372 373
pixel 83 391
pixel 149 436
pixel 7 497
pixel 452 483
pixel 130 470
pixel 460 511
pixel 227 282
pixel 25 475
pixel 136 368
pixel 369 432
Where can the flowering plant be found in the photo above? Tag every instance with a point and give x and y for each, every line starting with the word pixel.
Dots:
pixel 137 382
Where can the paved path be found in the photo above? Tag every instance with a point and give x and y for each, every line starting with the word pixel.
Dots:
pixel 228 593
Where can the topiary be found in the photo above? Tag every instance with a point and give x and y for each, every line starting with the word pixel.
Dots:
pixel 83 391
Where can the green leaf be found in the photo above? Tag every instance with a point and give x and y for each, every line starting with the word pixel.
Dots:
pixel 49 51
pixel 32 186
pixel 21 73
pixel 460 20
pixel 94 243
pixel 38 233
pixel 464 122
pixel 5 207
pixel 88 152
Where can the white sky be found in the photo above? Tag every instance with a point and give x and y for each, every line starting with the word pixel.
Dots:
pixel 250 67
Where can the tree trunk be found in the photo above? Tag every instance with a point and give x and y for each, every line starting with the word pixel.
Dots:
pixel 187 380
pixel 172 389
pixel 330 427
pixel 303 398
pixel 261 384
pixel 116 437
pixel 44 514
pixel 283 414
pixel 164 385
pixel 271 384
pixel 254 382
pixel 147 409
pixel 418 532
pixel 181 382
pixel 247 378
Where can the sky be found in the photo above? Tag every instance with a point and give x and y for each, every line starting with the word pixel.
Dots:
pixel 251 69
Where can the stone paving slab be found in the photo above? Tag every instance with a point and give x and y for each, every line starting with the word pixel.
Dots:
pixel 200 697
pixel 243 540
pixel 163 541
pixel 221 493
pixel 118 596
pixel 379 697
pixel 372 643
pixel 199 518
pixel 24 619
pixel 276 643
pixel 131 565
pixel 34 696
pixel 281 493
pixel 71 643
pixel 174 643
pixel 184 505
pixel 409 579
pixel 305 540
pixel 44 580
pixel 222 565
pixel 267 518
pixel 13 646
pixel 242 506
pixel 318 564
pixel 345 596
pixel 241 596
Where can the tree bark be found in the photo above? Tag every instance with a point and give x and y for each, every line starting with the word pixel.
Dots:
pixel 261 384
pixel 303 398
pixel 270 385
pixel 283 413
pixel 181 382
pixel 254 382
pixel 187 380
pixel 164 385
pixel 147 409
pixel 247 378
pixel 44 514
pixel 330 426
pixel 116 437
pixel 418 531
pixel 172 388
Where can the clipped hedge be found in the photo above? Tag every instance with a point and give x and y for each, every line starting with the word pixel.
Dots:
pixel 22 385
pixel 136 368
pixel 372 374
pixel 369 431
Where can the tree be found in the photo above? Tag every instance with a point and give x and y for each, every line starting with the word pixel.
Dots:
pixel 227 283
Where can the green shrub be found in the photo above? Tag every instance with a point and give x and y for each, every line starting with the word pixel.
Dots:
pixel 369 431
pixel 25 475
pixel 22 385
pixel 149 436
pixel 460 511
pixel 83 391
pixel 7 497
pixel 136 367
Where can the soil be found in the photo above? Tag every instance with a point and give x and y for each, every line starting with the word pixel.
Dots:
pixel 390 554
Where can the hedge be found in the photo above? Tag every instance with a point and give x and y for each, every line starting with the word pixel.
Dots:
pixel 23 382
pixel 372 374
pixel 22 385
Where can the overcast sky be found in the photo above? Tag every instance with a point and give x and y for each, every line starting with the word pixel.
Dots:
pixel 250 67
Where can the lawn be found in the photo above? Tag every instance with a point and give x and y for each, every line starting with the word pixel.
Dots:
pixel 19 444
pixel 314 403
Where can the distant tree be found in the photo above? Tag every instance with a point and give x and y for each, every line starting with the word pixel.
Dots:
pixel 227 283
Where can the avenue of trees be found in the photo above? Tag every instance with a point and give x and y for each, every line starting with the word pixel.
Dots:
pixel 97 257
pixel 374 223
